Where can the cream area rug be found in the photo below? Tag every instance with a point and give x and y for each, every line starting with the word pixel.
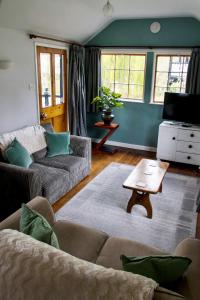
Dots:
pixel 102 205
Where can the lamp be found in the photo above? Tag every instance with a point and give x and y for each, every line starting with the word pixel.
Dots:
pixel 5 64
pixel 108 9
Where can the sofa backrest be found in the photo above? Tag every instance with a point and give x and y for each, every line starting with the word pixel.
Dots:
pixel 31 137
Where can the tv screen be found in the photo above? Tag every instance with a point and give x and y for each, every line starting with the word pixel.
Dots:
pixel 182 108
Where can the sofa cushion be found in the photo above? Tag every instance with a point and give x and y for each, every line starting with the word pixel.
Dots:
pixel 164 269
pixel 57 143
pixel 79 241
pixel 34 224
pixel 114 247
pixel 55 182
pixel 39 154
pixel 70 163
pixel 17 155
pixel 35 270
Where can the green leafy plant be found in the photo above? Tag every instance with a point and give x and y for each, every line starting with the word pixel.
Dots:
pixel 107 100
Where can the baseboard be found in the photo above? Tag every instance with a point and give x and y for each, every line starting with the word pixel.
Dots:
pixel 126 145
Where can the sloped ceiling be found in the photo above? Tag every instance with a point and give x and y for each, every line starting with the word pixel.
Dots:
pixel 80 19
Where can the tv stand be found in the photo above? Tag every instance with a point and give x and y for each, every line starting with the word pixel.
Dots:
pixel 179 143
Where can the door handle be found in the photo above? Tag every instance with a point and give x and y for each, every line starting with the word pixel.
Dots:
pixel 43 116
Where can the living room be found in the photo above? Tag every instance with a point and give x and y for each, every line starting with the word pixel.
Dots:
pixel 100 135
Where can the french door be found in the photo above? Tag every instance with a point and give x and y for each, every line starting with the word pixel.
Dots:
pixel 52 86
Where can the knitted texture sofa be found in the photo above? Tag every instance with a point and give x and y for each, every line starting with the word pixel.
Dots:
pixel 99 248
pixel 49 177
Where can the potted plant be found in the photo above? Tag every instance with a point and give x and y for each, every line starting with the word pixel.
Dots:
pixel 106 102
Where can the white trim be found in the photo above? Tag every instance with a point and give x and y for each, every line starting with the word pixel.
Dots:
pixel 126 145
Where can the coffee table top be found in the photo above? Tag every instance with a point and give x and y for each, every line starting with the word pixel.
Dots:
pixel 147 176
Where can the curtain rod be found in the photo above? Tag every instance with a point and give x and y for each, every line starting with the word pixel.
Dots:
pixel 144 47
pixel 35 36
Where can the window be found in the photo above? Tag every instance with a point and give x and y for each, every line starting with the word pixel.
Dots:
pixel 124 74
pixel 170 75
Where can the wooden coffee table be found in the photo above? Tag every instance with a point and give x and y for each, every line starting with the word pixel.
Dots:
pixel 144 180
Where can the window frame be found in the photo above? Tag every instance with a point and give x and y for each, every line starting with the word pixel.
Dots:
pixel 166 52
pixel 142 52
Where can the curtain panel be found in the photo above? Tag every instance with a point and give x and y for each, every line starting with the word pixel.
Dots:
pixel 93 75
pixel 77 91
pixel 193 75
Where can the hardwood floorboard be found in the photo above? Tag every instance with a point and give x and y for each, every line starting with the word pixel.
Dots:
pixel 100 160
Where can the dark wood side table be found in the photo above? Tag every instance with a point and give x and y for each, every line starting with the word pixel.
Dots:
pixel 111 129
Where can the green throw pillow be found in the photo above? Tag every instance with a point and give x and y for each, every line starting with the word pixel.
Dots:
pixel 17 155
pixel 35 225
pixel 163 269
pixel 57 143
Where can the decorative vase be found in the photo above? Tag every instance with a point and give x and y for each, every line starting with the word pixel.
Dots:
pixel 107 116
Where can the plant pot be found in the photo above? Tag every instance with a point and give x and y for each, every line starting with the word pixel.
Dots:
pixel 107 116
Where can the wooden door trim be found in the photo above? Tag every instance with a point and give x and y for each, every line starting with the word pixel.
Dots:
pixel 52 52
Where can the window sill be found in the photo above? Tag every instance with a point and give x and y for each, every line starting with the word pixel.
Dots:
pixel 131 100
pixel 156 103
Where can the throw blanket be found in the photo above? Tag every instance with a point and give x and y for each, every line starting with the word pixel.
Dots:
pixel 32 270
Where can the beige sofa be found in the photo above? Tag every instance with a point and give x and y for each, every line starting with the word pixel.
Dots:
pixel 97 247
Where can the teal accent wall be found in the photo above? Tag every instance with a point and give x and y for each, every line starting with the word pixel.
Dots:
pixel 139 122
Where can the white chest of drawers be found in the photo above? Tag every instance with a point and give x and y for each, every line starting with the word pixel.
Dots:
pixel 178 143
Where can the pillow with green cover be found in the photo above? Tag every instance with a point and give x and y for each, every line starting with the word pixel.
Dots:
pixel 163 269
pixel 17 155
pixel 35 225
pixel 57 143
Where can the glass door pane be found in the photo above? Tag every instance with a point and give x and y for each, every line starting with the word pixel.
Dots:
pixel 59 78
pixel 46 83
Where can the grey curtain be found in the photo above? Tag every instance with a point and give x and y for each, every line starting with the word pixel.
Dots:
pixel 193 75
pixel 93 75
pixel 77 93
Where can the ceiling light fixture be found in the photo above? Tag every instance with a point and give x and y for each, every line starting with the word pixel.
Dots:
pixel 108 9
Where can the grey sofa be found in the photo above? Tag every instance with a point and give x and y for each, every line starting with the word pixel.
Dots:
pixel 99 248
pixel 48 177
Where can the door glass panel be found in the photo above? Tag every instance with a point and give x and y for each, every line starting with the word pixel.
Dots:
pixel 45 61
pixel 59 78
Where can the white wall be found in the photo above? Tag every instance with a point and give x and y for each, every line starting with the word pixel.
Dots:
pixel 18 103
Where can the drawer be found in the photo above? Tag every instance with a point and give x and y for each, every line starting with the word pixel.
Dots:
pixel 189 135
pixel 188 147
pixel 193 159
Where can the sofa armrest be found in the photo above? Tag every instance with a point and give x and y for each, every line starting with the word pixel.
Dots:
pixel 17 185
pixel 81 146
pixel 189 286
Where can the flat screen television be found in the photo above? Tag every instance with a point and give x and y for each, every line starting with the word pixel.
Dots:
pixel 182 108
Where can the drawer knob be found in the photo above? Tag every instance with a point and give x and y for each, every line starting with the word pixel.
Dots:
pixel 192 134
pixel 190 146
pixel 189 157
pixel 173 138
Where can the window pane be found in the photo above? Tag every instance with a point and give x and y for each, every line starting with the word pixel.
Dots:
pixel 59 78
pixel 171 73
pixel 137 62
pixel 122 62
pixel 159 94
pixel 136 77
pixel 121 76
pixel 163 63
pixel 45 62
pixel 108 61
pixel 161 79
pixel 136 92
pixel 107 76
pixel 122 89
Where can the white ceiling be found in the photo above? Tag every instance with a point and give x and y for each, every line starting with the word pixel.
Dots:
pixel 79 19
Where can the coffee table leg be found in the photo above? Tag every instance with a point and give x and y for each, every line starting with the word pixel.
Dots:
pixel 141 199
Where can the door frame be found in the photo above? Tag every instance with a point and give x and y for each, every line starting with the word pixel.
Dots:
pixel 61 46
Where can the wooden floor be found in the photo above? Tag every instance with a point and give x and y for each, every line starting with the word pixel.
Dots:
pixel 100 160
